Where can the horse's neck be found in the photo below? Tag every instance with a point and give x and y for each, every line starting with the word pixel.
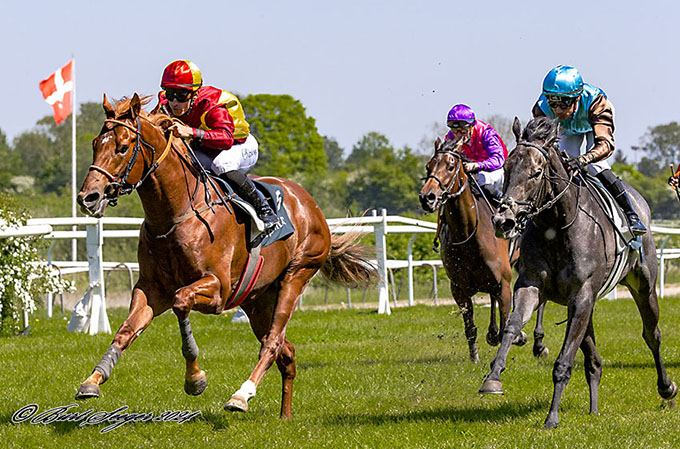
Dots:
pixel 460 214
pixel 166 194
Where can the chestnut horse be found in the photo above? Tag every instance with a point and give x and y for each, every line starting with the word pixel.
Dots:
pixel 192 250
pixel 474 259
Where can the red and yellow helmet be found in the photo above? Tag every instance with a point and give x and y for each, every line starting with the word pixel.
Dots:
pixel 183 75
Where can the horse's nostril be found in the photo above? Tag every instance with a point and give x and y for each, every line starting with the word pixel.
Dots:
pixel 431 196
pixel 91 198
pixel 508 224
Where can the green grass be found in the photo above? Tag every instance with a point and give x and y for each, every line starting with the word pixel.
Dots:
pixel 363 380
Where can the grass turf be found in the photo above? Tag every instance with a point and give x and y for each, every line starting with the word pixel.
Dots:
pixel 363 380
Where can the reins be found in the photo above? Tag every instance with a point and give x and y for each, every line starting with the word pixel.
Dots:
pixel 533 209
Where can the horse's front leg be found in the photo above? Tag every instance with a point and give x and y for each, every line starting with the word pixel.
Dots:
pixel 526 301
pixel 464 301
pixel 205 291
pixel 139 318
pixel 580 311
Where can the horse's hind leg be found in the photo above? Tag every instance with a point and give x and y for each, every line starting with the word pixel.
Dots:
pixel 139 318
pixel 464 302
pixel 540 349
pixel 269 325
pixel 205 291
pixel 648 306
pixel 286 365
pixel 592 364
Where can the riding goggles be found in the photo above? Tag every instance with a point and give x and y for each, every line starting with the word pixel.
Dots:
pixel 561 102
pixel 458 125
pixel 177 94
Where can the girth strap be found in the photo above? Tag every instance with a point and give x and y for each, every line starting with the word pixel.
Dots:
pixel 247 279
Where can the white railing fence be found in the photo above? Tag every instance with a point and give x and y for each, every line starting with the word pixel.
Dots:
pixel 90 313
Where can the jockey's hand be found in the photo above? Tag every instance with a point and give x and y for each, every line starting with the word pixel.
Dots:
pixel 182 130
pixel 470 167
pixel 574 165
pixel 673 181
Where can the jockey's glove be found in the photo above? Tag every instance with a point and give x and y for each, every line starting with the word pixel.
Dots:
pixel 575 165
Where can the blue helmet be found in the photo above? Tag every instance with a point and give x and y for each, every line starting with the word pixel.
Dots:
pixel 564 81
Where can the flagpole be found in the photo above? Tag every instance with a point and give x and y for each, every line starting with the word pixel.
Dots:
pixel 74 242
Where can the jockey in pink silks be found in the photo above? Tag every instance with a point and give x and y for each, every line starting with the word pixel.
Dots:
pixel 483 147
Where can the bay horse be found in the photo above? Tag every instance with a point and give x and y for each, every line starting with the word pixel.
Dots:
pixel 568 250
pixel 192 250
pixel 475 260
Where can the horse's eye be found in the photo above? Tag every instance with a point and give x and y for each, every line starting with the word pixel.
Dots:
pixel 123 149
pixel 451 167
pixel 535 174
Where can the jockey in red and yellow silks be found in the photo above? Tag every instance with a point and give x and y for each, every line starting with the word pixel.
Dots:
pixel 215 123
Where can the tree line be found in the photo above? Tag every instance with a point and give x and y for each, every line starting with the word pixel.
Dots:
pixel 36 165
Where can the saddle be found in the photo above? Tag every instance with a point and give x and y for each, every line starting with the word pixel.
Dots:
pixel 627 244
pixel 274 195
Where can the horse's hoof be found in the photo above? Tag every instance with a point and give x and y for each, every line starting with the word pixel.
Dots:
pixel 88 390
pixel 236 404
pixel 196 387
pixel 491 387
pixel 492 339
pixel 670 392
pixel 521 339
pixel 541 354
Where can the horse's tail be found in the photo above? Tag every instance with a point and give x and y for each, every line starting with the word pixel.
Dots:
pixel 348 262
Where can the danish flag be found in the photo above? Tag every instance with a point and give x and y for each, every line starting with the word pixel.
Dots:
pixel 56 90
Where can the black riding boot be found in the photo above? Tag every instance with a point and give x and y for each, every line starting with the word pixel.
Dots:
pixel 247 190
pixel 615 187
pixel 493 194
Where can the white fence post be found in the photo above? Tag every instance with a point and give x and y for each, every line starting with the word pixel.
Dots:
pixel 411 299
pixel 91 310
pixel 380 229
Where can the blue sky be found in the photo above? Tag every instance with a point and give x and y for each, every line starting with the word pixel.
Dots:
pixel 394 67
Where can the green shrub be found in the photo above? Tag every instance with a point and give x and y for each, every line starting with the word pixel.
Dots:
pixel 24 276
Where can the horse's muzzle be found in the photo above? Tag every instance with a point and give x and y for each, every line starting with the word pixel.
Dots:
pixel 505 224
pixel 92 203
pixel 428 201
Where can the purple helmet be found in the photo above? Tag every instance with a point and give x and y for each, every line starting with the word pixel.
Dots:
pixel 461 112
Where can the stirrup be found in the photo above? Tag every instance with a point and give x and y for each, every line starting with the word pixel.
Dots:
pixel 635 224
pixel 268 217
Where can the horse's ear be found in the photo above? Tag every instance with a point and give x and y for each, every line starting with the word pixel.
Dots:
pixel 516 129
pixel 437 144
pixel 108 109
pixel 135 106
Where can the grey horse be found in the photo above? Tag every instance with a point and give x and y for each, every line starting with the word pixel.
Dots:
pixel 567 251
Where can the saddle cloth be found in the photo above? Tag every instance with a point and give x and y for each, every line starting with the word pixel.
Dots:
pixel 274 195
pixel 627 245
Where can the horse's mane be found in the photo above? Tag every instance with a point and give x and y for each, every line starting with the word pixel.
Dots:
pixel 540 129
pixel 158 118
pixel 122 106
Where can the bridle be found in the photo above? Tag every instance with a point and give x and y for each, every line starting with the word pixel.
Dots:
pixel 446 190
pixel 118 185
pixel 446 195
pixel 530 205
